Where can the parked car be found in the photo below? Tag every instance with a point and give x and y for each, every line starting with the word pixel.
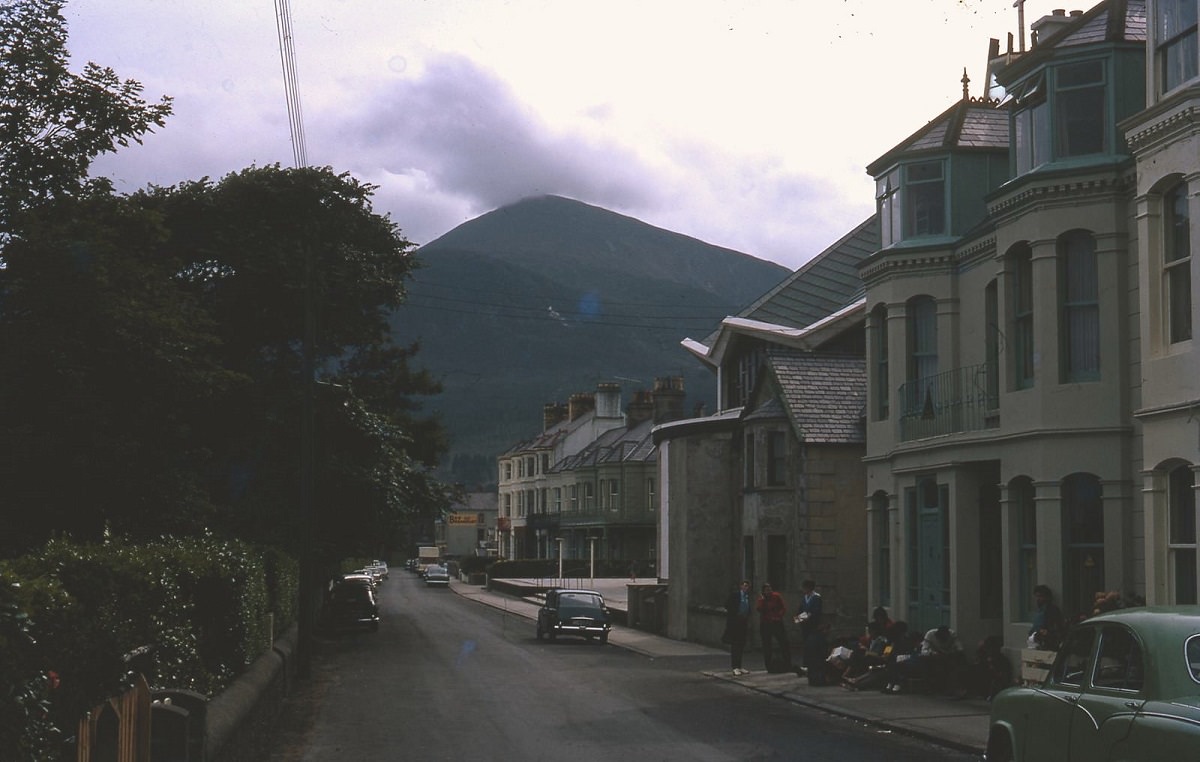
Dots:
pixel 372 572
pixel 350 603
pixel 437 575
pixel 358 577
pixel 574 612
pixel 379 567
pixel 1124 686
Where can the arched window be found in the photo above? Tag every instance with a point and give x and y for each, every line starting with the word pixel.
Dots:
pixel 879 344
pixel 1021 268
pixel 1020 494
pixel 1083 537
pixel 1177 262
pixel 882 536
pixel 1181 549
pixel 922 345
pixel 1080 306
pixel 991 309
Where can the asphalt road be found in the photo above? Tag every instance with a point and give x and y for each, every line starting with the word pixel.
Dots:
pixel 445 678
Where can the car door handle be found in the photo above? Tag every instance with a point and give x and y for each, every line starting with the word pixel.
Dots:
pixel 1132 704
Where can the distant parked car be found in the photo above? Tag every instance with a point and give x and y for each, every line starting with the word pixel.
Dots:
pixel 379 567
pixel 358 577
pixel 350 603
pixel 1124 686
pixel 437 575
pixel 574 612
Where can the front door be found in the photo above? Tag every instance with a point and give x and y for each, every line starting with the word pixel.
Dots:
pixel 929 574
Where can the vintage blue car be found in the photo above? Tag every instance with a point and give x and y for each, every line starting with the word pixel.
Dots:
pixel 1124 686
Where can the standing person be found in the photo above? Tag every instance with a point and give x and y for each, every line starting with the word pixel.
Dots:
pixel 809 617
pixel 737 625
pixel 771 611
pixel 1046 629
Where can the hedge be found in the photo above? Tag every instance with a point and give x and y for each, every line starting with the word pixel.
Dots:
pixel 197 607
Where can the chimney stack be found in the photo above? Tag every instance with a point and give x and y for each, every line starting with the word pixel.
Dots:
pixel 1048 25
pixel 640 409
pixel 668 399
pixel 553 413
pixel 608 400
pixel 580 403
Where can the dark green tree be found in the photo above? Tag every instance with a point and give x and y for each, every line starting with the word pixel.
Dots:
pixel 110 361
pixel 259 244
pixel 54 122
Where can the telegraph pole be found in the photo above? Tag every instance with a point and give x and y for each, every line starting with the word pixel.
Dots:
pixel 308 561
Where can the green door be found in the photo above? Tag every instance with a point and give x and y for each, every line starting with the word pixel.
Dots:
pixel 929 572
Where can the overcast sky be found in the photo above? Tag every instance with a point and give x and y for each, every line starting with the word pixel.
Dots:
pixel 745 124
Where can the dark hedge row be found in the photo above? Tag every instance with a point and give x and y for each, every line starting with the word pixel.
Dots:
pixel 197 611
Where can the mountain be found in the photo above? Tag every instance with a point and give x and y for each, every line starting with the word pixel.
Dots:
pixel 547 297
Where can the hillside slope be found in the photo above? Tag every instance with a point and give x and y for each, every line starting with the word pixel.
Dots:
pixel 533 302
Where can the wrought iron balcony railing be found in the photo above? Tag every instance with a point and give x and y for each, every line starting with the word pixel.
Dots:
pixel 963 399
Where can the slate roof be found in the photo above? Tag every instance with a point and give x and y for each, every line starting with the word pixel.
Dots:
pixel 621 445
pixel 1112 21
pixel 825 395
pixel 970 124
pixel 822 286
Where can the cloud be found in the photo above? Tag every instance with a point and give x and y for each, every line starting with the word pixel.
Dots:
pixel 457 131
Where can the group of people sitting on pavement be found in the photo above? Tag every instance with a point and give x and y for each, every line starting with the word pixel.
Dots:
pixel 893 659
pixel 887 657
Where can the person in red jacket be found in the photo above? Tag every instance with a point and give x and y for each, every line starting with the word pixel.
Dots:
pixel 771 611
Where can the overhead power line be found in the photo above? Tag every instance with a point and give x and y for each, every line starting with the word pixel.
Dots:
pixel 291 82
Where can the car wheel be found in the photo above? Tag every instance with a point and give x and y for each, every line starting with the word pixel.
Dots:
pixel 999 749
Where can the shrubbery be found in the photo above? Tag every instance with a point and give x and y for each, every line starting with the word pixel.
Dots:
pixel 71 614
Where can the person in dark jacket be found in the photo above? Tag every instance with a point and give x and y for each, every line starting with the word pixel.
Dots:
pixel 737 625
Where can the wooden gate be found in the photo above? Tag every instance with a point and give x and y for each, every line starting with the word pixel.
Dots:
pixel 119 729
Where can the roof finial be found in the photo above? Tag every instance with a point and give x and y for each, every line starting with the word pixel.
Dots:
pixel 966 85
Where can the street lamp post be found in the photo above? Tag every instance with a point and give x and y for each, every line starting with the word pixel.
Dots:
pixel 559 540
pixel 592 560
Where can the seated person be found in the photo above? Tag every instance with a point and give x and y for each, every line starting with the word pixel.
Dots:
pixel 939 661
pixel 991 672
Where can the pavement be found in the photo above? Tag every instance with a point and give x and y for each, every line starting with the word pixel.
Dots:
pixel 960 724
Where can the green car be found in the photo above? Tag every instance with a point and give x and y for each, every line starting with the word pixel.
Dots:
pixel 1124 686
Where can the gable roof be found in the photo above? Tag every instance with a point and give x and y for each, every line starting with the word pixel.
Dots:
pixel 825 395
pixel 805 307
pixel 822 286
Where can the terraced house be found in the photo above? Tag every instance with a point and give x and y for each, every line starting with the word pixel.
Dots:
pixel 586 486
pixel 1032 409
pixel 1032 376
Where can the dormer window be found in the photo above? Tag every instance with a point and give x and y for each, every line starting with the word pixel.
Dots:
pixel 1031 125
pixel 912 201
pixel 1080 108
pixel 926 199
pixel 1061 113
pixel 1175 32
